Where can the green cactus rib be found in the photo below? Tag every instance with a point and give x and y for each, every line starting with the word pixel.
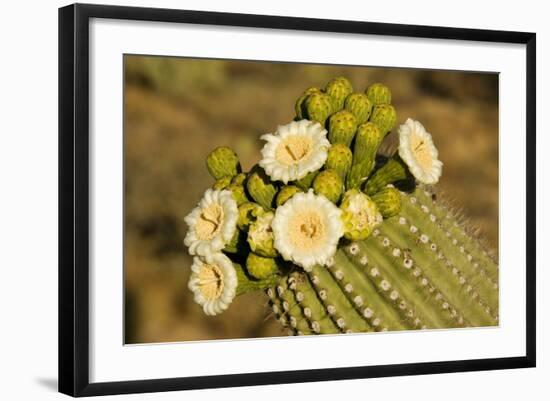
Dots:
pixel 457 258
pixel 444 314
pixel 448 279
pixel 335 302
pixel 312 307
pixel 472 247
pixel 362 293
pixel 409 274
pixel 399 291
pixel 288 312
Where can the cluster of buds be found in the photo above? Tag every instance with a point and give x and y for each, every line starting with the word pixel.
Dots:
pixel 319 182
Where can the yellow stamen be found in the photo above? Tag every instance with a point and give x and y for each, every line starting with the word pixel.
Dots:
pixel 293 149
pixel 307 230
pixel 209 222
pixel 210 281
pixel 421 152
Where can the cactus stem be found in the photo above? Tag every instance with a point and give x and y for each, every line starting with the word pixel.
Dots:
pixel 448 280
pixel 398 291
pixel 471 246
pixel 305 295
pixel 486 282
pixel 450 317
pixel 336 303
pixel 363 296
pixel 291 309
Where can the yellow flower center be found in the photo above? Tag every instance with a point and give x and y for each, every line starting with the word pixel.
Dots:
pixel 421 152
pixel 307 230
pixel 210 281
pixel 293 149
pixel 209 222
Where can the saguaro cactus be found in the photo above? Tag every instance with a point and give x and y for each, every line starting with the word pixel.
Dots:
pixel 341 238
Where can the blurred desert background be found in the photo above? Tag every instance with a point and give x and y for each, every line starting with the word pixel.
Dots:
pixel 177 110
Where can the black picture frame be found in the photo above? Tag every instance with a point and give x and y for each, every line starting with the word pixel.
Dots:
pixel 74 198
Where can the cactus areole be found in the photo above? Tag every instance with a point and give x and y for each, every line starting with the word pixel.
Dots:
pixel 341 238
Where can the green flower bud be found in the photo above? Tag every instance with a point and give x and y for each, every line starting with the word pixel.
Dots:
pixel 260 236
pixel 394 170
pixel 237 244
pixel 260 188
pixel 359 105
pixel 339 159
pixel 260 267
pixel 359 215
pixel 367 141
pixel 338 89
pixel 223 162
pixel 301 110
pixel 319 107
pixel 388 201
pixel 385 117
pixel 344 81
pixel 342 127
pixel 222 183
pixel 329 184
pixel 305 183
pixel 378 94
pixel 239 179
pixel 238 193
pixel 248 213
pixel 286 192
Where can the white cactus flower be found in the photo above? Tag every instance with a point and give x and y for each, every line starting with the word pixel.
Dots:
pixel 213 282
pixel 307 229
pixel 212 223
pixel 417 150
pixel 294 150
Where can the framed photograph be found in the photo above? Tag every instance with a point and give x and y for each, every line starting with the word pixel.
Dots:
pixel 251 199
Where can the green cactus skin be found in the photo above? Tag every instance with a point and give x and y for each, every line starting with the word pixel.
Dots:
pixel 378 94
pixel 394 170
pixel 360 106
pixel 318 107
pixel 385 116
pixel 260 188
pixel 414 272
pixel 339 159
pixel 261 267
pixel 342 127
pixel 338 89
pixel 367 142
pixel 329 184
pixel 388 201
pixel 301 110
pixel 286 192
pixel 223 162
